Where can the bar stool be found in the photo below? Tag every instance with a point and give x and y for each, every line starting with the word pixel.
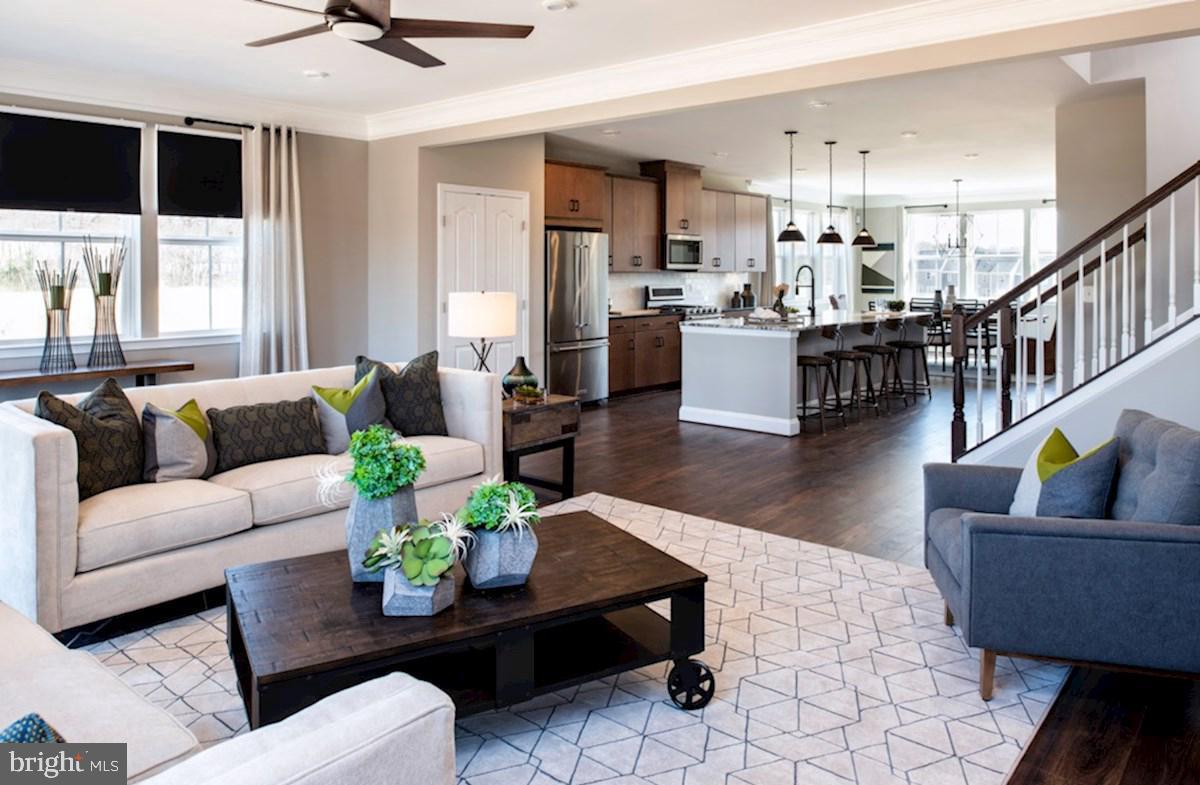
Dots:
pixel 917 348
pixel 891 386
pixel 822 380
pixel 841 355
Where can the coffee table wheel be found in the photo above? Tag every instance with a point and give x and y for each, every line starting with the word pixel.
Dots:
pixel 691 684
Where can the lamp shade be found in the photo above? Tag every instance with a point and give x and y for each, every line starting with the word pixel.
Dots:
pixel 830 237
pixel 864 238
pixel 482 315
pixel 791 234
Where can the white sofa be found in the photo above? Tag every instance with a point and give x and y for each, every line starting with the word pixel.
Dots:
pixel 66 563
pixel 394 729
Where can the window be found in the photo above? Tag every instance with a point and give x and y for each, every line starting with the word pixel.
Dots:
pixel 996 253
pixel 199 274
pixel 31 236
pixel 790 256
pixel 830 263
pixel 934 265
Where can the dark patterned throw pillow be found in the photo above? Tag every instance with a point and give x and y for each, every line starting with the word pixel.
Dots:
pixel 413 395
pixel 31 729
pixel 265 432
pixel 108 436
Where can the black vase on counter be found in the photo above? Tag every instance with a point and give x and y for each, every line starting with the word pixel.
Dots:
pixel 518 376
pixel 736 300
pixel 748 298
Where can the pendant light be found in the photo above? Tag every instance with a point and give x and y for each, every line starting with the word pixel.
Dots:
pixel 791 234
pixel 830 236
pixel 864 237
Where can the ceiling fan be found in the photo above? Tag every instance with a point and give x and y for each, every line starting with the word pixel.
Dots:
pixel 370 22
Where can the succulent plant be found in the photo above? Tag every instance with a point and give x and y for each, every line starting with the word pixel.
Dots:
pixel 383 462
pixel 501 506
pixel 386 548
pixel 426 555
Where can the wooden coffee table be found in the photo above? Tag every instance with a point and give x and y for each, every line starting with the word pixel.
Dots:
pixel 300 630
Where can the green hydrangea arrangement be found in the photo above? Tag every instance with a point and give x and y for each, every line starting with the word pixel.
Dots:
pixel 501 506
pixel 421 552
pixel 383 463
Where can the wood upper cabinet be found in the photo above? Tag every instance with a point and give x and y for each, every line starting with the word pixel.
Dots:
pixel 574 193
pixel 681 187
pixel 751 233
pixel 634 239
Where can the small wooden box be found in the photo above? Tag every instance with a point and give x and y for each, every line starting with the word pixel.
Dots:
pixel 528 425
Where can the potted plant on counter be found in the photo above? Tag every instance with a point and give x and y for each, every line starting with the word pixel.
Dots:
pixel 502 516
pixel 385 468
pixel 416 561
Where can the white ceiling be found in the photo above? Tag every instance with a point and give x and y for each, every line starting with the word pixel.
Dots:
pixel 199 43
pixel 1002 112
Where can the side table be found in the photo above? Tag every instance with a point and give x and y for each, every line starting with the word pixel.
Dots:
pixel 534 428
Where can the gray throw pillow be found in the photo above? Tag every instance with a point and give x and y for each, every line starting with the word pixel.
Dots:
pixel 179 444
pixel 342 412
pixel 413 395
pixel 108 438
pixel 265 432
pixel 1082 489
pixel 1171 491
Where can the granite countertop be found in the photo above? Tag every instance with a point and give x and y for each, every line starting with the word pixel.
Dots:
pixel 825 319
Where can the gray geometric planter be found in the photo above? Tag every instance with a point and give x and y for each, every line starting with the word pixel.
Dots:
pixel 499 559
pixel 364 520
pixel 401 598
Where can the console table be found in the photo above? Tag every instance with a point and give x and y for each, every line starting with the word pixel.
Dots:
pixel 144 372
pixel 536 427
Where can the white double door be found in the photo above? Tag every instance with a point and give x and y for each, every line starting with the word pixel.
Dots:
pixel 483 246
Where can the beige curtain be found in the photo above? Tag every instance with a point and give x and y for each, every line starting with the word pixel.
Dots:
pixel 274 326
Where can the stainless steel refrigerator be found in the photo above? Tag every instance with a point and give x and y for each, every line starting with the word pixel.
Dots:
pixel 577 313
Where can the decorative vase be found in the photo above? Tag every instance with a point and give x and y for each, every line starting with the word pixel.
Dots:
pixel 951 297
pixel 518 376
pixel 104 273
pixel 500 559
pixel 401 598
pixel 748 298
pixel 57 287
pixel 364 520
pixel 779 308
pixel 736 300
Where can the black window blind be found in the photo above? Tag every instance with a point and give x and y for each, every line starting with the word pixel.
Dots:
pixel 199 175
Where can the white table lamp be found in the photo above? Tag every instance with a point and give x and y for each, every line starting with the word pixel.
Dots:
pixel 482 315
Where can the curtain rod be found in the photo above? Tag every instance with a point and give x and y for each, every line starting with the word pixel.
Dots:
pixel 194 120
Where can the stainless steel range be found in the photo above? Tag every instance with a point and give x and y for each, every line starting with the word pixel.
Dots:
pixel 669 300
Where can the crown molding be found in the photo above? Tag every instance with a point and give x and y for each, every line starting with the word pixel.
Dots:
pixel 919 24
pixel 123 92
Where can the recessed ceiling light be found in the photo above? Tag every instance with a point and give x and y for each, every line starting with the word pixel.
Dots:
pixel 817 104
pixel 801 169
pixel 908 134
pixel 720 155
pixel 557 5
pixel 610 131
pixel 971 156
pixel 313 73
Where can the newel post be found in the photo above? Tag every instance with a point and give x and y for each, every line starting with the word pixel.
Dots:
pixel 958 347
pixel 1008 356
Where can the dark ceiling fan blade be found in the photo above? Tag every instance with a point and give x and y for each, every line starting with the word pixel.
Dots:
pixel 442 28
pixel 398 47
pixel 278 39
pixel 288 7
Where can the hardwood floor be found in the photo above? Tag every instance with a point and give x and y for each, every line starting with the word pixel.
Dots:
pixel 861 489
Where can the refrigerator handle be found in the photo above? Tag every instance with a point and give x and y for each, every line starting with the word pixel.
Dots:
pixel 585 282
pixel 578 286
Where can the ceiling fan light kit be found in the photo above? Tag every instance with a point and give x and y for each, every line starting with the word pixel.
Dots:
pixel 370 23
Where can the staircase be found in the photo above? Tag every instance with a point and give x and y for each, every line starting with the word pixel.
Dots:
pixel 1129 272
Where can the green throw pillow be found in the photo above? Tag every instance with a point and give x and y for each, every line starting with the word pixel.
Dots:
pixel 1058 482
pixel 342 412
pixel 413 395
pixel 179 444
pixel 108 437
pixel 265 432
pixel 31 729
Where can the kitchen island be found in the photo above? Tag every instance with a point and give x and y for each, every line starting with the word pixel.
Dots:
pixel 742 374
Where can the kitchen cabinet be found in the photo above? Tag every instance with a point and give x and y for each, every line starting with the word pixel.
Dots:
pixel 719 216
pixel 574 194
pixel 643 352
pixel 750 236
pixel 681 188
pixel 634 238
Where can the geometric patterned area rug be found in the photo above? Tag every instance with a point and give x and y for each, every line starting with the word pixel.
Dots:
pixel 832 668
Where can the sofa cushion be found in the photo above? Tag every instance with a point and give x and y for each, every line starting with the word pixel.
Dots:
pixel 945 533
pixel 413 394
pixel 86 702
pixel 292 488
pixel 108 436
pixel 1057 481
pixel 139 520
pixel 1159 479
pixel 265 432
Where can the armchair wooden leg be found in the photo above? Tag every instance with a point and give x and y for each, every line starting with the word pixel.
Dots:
pixel 987 673
pixel 949 616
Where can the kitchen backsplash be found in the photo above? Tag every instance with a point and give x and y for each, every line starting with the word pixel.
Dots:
pixel 628 290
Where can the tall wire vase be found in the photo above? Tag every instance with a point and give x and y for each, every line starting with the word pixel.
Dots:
pixel 104 273
pixel 57 286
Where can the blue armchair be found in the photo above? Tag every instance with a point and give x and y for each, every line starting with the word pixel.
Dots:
pixel 1123 591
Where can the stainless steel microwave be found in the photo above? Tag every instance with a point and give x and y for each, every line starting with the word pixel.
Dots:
pixel 683 252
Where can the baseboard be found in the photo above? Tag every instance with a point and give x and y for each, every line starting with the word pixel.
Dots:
pixel 780 426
